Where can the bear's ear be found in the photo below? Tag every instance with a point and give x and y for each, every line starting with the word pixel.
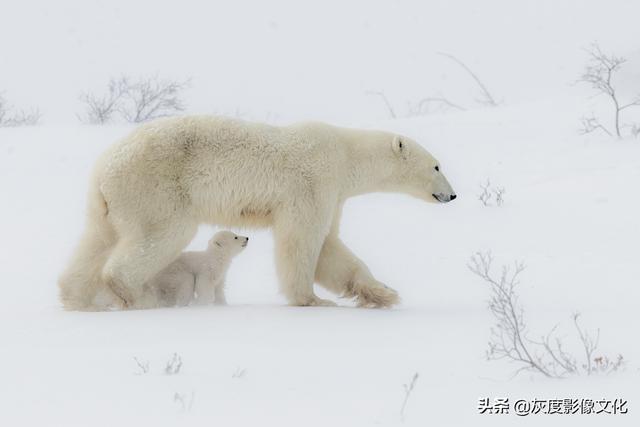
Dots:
pixel 398 146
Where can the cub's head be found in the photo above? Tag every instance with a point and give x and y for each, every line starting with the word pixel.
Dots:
pixel 229 242
pixel 417 172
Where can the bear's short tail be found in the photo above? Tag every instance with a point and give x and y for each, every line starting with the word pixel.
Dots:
pixel 82 280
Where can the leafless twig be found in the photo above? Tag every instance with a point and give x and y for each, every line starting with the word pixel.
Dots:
pixel 599 74
pixel 498 193
pixel 185 402
pixel 408 388
pixel 142 365
pixel 485 195
pixel 509 337
pixel 137 101
pixel 150 98
pixel 173 365
pixel 431 104
pixel 384 98
pixel 239 373
pixel 100 109
pixel 9 117
pixel 591 124
pixel 487 98
pixel 489 192
pixel 589 344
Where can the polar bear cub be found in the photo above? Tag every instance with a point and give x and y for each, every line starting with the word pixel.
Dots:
pixel 197 277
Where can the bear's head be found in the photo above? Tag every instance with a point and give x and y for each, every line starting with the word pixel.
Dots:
pixel 229 242
pixel 416 172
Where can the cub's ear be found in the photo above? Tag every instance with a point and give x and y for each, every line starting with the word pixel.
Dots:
pixel 399 146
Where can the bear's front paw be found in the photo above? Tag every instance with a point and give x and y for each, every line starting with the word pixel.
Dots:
pixel 376 295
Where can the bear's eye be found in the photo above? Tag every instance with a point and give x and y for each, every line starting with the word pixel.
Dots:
pixel 235 238
pixel 437 168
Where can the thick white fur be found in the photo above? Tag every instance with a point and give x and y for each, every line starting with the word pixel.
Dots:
pixel 196 277
pixel 150 191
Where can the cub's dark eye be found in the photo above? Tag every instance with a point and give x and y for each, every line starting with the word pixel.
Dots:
pixel 437 168
pixel 236 238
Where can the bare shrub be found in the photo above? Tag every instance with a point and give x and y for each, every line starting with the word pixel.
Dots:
pixel 498 193
pixel 143 366
pixel 490 195
pixel 174 365
pixel 136 101
pixel 599 73
pixel 150 98
pixel 101 109
pixel 590 124
pixel 509 337
pixel 10 117
pixel 185 402
pixel 239 373
pixel 485 194
pixel 440 103
pixel 408 388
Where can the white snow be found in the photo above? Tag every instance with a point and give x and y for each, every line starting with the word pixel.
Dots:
pixel 570 213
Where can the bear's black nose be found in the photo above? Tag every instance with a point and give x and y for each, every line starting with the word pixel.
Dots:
pixel 452 197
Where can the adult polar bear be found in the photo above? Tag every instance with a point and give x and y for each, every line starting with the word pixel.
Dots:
pixel 149 192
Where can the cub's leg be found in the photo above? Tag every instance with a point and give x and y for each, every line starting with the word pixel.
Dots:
pixel 138 257
pixel 220 298
pixel 184 288
pixel 204 289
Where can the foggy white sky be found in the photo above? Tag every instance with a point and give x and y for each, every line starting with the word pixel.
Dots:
pixel 299 60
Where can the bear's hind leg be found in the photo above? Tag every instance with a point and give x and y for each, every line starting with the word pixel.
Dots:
pixel 340 271
pixel 138 258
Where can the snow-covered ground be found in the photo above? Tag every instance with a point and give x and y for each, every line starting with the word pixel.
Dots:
pixel 570 214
